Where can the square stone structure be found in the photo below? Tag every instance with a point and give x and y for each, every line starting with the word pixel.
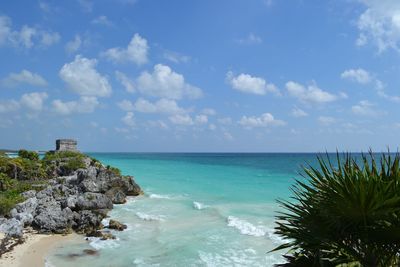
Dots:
pixel 66 145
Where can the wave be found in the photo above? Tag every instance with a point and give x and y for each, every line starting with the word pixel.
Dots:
pixel 97 243
pixel 148 217
pixel 157 196
pixel 245 227
pixel 199 206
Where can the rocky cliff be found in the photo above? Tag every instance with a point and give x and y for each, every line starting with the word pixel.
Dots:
pixel 74 198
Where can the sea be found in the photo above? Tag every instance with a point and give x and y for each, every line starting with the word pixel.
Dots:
pixel 198 209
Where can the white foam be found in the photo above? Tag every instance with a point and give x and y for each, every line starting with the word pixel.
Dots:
pixel 157 196
pixel 148 217
pixel 47 263
pixel 245 227
pixel 274 237
pixel 199 206
pixel 98 244
pixel 105 222
pixel 231 257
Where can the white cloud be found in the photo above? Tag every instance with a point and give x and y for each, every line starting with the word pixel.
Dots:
pixel 136 52
pixel 82 77
pixel 225 121
pixel 9 106
pixel 73 45
pixel 129 119
pixel 50 38
pixel 364 108
pixel 326 120
pixel 125 81
pixel 85 104
pixel 102 20
pixel 380 24
pixel 163 105
pixel 24 77
pixel 126 105
pixel 249 84
pixel 34 101
pixel 27 36
pixel 228 136
pixel 176 57
pixel 180 119
pixel 201 119
pixel 311 94
pixel 165 83
pixel 358 75
pixel 297 113
pixel 265 120
pixel 209 111
pixel 250 39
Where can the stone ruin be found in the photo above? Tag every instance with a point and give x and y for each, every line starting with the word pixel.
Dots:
pixel 66 145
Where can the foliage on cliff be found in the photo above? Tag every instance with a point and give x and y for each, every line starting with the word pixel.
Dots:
pixel 345 214
pixel 28 171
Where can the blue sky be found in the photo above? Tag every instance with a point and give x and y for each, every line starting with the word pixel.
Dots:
pixel 227 75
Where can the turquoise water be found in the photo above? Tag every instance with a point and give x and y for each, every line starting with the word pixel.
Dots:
pixel 198 210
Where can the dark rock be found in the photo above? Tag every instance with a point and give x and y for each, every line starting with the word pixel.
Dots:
pixel 116 195
pixel 92 201
pixel 107 235
pixel 116 225
pixel 90 252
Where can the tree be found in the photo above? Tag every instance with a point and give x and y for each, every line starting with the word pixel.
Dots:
pixel 344 214
pixel 31 155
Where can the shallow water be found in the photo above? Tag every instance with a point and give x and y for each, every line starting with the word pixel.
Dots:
pixel 198 210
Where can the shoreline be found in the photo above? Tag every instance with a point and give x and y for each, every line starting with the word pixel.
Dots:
pixel 34 250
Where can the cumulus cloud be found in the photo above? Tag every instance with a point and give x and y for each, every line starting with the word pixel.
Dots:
pixel 50 38
pixel 379 24
pixel 9 105
pixel 164 82
pixel 85 104
pixel 265 120
pixel 365 108
pixel 82 78
pixel 129 119
pixel 163 105
pixel 249 84
pixel 176 57
pixel 27 36
pixel 326 120
pixel 181 119
pixel 209 111
pixel 102 20
pixel 309 94
pixel 127 83
pixel 34 101
pixel 357 75
pixel 201 119
pixel 24 77
pixel 126 105
pixel 73 45
pixel 297 113
pixel 136 52
pixel 250 39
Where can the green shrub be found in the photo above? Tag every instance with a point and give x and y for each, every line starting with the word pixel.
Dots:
pixel 114 170
pixel 73 164
pixel 8 200
pixel 348 214
pixel 31 155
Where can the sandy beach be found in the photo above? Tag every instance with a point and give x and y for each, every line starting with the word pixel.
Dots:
pixel 33 251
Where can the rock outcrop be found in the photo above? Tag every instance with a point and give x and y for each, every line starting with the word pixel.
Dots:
pixel 73 201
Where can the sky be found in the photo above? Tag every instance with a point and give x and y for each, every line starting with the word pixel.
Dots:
pixel 201 75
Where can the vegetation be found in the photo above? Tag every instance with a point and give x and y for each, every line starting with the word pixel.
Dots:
pixel 28 171
pixel 31 155
pixel 344 215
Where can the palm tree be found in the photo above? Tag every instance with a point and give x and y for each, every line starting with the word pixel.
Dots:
pixel 347 214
